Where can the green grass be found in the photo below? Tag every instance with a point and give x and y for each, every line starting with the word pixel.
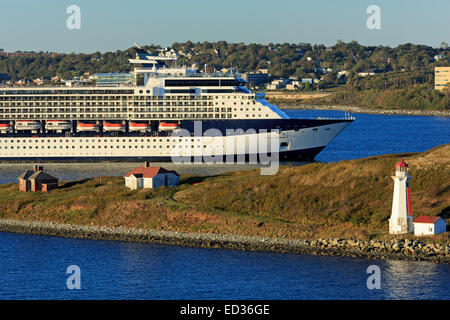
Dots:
pixel 350 199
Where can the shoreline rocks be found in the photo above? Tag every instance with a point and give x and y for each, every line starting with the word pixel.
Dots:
pixel 398 249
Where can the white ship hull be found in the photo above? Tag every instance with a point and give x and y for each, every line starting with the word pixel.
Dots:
pixel 301 144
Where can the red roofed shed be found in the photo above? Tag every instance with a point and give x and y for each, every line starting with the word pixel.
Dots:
pixel 150 177
pixel 429 225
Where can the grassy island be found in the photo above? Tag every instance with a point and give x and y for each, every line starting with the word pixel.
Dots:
pixel 347 199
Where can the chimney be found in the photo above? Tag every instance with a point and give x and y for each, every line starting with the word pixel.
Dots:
pixel 147 164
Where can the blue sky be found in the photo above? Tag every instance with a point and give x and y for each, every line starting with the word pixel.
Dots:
pixel 108 25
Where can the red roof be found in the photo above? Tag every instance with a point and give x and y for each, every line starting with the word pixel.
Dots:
pixel 401 163
pixel 148 172
pixel 426 219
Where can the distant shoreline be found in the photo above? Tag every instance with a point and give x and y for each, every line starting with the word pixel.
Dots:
pixel 398 249
pixel 402 112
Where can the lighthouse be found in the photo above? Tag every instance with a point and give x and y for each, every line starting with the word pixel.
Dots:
pixel 401 220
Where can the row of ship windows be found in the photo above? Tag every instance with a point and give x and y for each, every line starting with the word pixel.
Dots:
pixel 141 116
pixel 99 147
pixel 112 104
pixel 77 92
pixel 133 98
pixel 106 104
pixel 123 110
pixel 91 97
pixel 13 141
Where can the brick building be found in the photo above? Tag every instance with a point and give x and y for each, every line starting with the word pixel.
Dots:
pixel 37 180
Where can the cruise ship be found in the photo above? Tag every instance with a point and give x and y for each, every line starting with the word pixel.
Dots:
pixel 165 110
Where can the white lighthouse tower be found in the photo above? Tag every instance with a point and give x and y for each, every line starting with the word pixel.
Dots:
pixel 401 220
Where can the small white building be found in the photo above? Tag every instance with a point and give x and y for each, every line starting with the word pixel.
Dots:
pixel 428 225
pixel 150 177
pixel 272 86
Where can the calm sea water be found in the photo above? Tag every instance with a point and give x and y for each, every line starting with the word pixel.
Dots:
pixel 373 134
pixel 368 135
pixel 34 267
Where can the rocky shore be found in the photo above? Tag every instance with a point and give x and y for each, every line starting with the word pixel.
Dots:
pixel 354 109
pixel 402 249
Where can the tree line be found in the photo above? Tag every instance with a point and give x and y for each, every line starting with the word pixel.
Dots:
pixel 282 60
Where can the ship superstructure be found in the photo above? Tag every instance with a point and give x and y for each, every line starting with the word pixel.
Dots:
pixel 143 120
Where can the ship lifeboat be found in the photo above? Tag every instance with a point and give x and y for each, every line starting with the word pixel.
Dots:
pixel 139 126
pixel 58 125
pixel 113 126
pixel 168 126
pixel 87 127
pixel 28 125
pixel 5 128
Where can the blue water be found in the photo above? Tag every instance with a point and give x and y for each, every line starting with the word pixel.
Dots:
pixel 34 267
pixel 373 134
